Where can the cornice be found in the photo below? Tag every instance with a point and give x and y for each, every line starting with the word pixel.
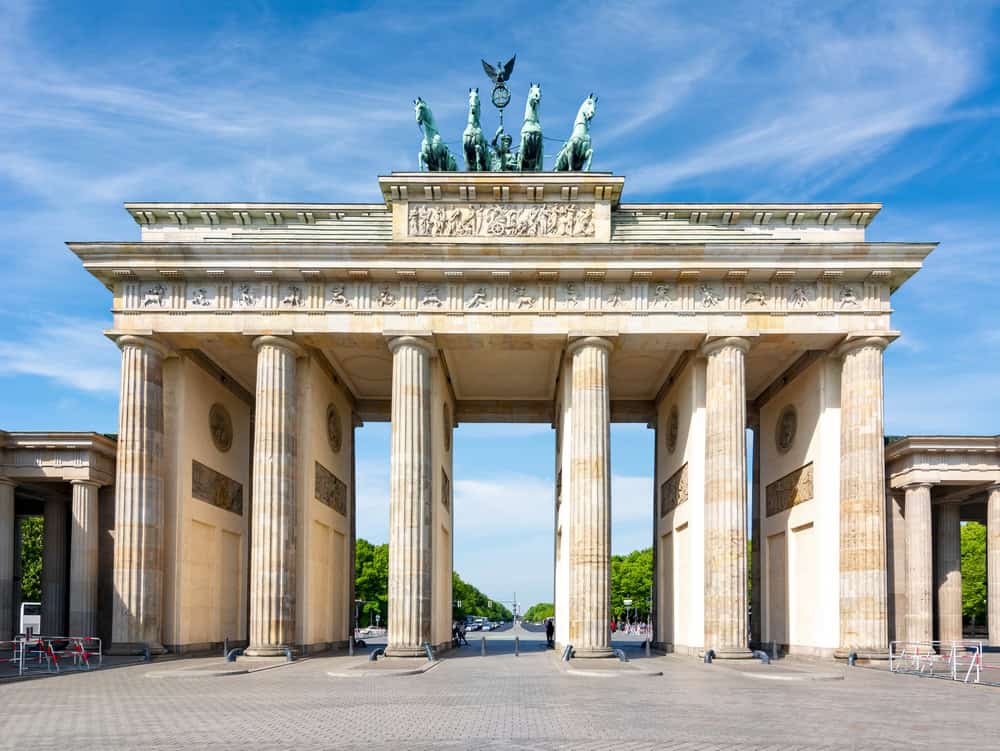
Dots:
pixel 942 445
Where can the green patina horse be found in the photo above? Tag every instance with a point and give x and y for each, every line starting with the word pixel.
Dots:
pixel 529 157
pixel 576 153
pixel 477 153
pixel 434 155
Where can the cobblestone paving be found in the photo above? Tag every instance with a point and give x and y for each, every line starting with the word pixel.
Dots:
pixel 499 701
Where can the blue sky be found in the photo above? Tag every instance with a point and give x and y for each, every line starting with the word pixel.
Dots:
pixel 108 102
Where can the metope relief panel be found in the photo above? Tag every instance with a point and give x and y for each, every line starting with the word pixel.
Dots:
pixel 331 490
pixel 215 488
pixel 550 220
pixel 674 490
pixel 794 488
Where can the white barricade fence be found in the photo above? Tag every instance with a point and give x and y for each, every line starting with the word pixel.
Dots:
pixel 957 660
pixel 53 654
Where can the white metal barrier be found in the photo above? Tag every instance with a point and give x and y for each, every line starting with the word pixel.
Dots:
pixel 957 660
pixel 52 654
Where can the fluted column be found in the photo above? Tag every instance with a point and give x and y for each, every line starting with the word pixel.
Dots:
pixel 949 571
pixel 864 620
pixel 7 548
pixel 272 559
pixel 919 565
pixel 54 558
pixel 725 498
pixel 138 559
pixel 756 613
pixel 590 499
pixel 83 561
pixel 410 498
pixel 993 564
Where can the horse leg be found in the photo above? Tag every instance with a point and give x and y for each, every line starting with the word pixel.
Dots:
pixel 588 155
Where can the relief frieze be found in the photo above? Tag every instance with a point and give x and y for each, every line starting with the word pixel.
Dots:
pixel 331 490
pixel 794 488
pixel 214 487
pixel 674 490
pixel 501 220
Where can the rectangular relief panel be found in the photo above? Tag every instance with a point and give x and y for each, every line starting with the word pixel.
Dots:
pixel 674 490
pixel 794 488
pixel 555 220
pixel 445 489
pixel 215 488
pixel 331 490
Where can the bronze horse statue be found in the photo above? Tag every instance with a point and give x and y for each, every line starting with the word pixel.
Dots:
pixel 477 153
pixel 434 155
pixel 530 153
pixel 576 153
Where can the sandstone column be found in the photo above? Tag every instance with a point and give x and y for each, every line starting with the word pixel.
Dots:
pixel 410 498
pixel 590 499
pixel 7 549
pixel 272 559
pixel 83 561
pixel 54 558
pixel 725 498
pixel 919 565
pixel 949 571
pixel 993 564
pixel 138 562
pixel 756 584
pixel 864 624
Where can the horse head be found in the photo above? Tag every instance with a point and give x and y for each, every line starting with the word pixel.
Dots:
pixel 534 93
pixel 421 110
pixel 474 102
pixel 588 107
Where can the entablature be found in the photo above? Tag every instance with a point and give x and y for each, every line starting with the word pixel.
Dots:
pixel 61 456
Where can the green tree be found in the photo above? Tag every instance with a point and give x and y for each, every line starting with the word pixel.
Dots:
pixel 371 584
pixel 475 602
pixel 632 579
pixel 31 558
pixel 974 571
pixel 540 612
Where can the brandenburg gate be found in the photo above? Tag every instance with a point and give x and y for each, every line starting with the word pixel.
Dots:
pixel 256 337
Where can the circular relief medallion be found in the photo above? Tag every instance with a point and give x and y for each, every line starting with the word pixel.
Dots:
pixel 447 428
pixel 334 431
pixel 500 96
pixel 220 425
pixel 672 428
pixel 784 432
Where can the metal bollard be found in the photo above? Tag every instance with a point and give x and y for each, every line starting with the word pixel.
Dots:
pixel 350 646
pixel 484 647
pixel 620 654
pixel 429 651
pixel 647 647
pixel 761 655
pixel 225 646
pixel 288 654
pixel 567 653
pixel 709 655
pixel 374 654
pixel 232 654
pixel 517 646
pixel 146 656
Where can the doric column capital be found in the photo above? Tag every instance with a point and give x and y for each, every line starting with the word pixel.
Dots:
pixel 918 485
pixel 86 483
pixel 717 344
pixel 6 482
pixel 994 488
pixel 590 341
pixel 420 342
pixel 268 340
pixel 857 341
pixel 142 342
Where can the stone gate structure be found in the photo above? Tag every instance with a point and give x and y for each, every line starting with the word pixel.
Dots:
pixel 255 338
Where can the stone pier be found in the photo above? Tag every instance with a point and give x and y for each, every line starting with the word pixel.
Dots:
pixel 949 571
pixel 919 565
pixel 54 559
pixel 590 500
pixel 410 498
pixel 725 498
pixel 993 563
pixel 138 560
pixel 272 558
pixel 864 624
pixel 83 564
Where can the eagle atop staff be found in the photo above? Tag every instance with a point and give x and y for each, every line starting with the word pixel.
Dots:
pixel 501 73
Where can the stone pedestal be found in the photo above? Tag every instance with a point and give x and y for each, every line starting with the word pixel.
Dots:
pixel 410 499
pixel 864 623
pixel 83 563
pixel 590 500
pixel 272 558
pixel 993 564
pixel 7 550
pixel 949 571
pixel 919 565
pixel 138 564
pixel 54 558
pixel 725 498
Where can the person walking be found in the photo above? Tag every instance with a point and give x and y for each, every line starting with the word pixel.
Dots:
pixel 550 633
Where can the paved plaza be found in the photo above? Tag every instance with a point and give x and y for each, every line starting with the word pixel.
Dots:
pixel 497 701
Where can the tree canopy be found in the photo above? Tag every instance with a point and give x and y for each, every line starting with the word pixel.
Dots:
pixel 632 579
pixel 540 612
pixel 974 571
pixel 31 558
pixel 474 602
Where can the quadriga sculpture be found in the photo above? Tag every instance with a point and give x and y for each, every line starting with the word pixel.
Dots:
pixel 576 153
pixel 434 155
pixel 477 153
pixel 529 158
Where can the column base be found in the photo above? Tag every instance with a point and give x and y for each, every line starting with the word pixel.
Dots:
pixel 124 649
pixel 268 650
pixel 842 653
pixel 401 651
pixel 592 653
pixel 731 653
